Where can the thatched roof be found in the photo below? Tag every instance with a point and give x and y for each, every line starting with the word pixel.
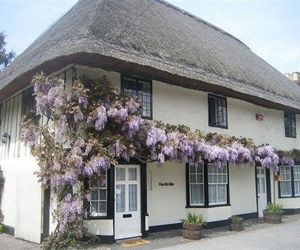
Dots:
pixel 159 39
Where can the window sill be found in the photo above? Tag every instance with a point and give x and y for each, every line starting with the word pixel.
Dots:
pixel 98 218
pixel 218 126
pixel 288 197
pixel 209 206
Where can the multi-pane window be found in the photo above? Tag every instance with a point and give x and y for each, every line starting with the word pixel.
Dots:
pixel 286 181
pixel 207 185
pixel 196 178
pixel 217 111
pixel 142 90
pixel 290 124
pixel 297 180
pixel 98 203
pixel 217 184
pixel 289 185
pixel 28 102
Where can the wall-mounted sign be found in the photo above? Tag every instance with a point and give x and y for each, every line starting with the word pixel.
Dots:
pixel 166 184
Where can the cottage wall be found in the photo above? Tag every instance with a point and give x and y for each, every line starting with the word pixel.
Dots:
pixel 23 197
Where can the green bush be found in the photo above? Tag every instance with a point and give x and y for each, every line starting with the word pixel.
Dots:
pixel 235 219
pixel 274 208
pixel 1 228
pixel 194 219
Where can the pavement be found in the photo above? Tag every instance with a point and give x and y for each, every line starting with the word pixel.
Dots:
pixel 256 236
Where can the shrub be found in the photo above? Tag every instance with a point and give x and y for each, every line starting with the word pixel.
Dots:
pixel 1 228
pixel 194 219
pixel 235 219
pixel 274 208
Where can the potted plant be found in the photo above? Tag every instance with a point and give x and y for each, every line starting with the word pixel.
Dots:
pixel 236 223
pixel 192 226
pixel 273 213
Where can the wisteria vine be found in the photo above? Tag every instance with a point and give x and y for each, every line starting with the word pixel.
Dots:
pixel 77 136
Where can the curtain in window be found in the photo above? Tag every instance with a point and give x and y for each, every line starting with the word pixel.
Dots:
pixel 98 203
pixel 297 180
pixel 217 184
pixel 196 184
pixel 286 183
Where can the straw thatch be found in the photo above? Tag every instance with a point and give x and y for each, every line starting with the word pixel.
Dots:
pixel 157 38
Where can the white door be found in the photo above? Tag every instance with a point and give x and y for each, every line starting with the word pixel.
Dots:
pixel 127 201
pixel 261 190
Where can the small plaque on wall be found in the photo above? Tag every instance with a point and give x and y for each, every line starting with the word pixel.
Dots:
pixel 163 184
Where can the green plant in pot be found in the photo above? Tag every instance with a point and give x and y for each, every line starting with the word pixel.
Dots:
pixel 236 223
pixel 273 213
pixel 192 226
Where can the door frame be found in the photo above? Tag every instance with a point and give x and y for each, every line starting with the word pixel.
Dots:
pixel 143 195
pixel 268 186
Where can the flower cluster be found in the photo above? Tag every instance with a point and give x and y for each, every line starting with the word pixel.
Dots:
pixel 267 157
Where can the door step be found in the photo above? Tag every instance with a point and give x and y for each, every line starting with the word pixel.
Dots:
pixel 132 242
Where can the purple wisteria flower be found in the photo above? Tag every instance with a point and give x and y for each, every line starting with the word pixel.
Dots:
pixel 287 161
pixel 101 118
pixel 267 157
pixel 155 135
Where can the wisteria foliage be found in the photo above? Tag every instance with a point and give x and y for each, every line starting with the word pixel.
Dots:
pixel 84 132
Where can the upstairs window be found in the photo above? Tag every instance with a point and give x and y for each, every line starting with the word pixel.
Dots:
pixel 141 89
pixel 217 111
pixel 290 124
pixel 28 102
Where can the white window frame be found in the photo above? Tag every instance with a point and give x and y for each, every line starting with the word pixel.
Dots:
pixel 98 189
pixel 219 172
pixel 283 175
pixel 296 179
pixel 197 182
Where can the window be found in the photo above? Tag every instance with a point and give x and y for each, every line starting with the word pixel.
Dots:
pixel 142 90
pixel 196 179
pixel 98 203
pixel 207 185
pixel 297 180
pixel 286 182
pixel 290 124
pixel 28 102
pixel 217 111
pixel 217 184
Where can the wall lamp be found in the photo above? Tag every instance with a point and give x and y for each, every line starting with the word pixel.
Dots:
pixel 5 138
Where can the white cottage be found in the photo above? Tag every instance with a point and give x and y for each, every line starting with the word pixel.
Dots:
pixel 184 71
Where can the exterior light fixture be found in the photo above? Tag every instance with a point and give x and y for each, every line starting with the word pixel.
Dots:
pixel 5 138
pixel 259 117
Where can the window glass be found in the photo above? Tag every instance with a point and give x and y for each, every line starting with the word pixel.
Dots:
pixel 286 182
pixel 98 203
pixel 290 124
pixel 217 184
pixel 196 184
pixel 217 109
pixel 142 90
pixel 297 180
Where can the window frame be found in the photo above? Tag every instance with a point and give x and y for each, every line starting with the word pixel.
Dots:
pixel 206 188
pixel 289 118
pixel 137 79
pixel 196 183
pixel 293 195
pixel 99 200
pixel 218 99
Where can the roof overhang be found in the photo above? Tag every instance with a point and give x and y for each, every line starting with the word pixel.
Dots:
pixel 186 79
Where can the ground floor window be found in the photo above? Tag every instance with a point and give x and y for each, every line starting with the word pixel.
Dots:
pixel 289 185
pixel 98 203
pixel 207 185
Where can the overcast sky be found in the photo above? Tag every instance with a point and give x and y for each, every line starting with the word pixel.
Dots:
pixel 271 28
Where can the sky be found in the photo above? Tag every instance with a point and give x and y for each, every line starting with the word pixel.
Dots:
pixel 271 28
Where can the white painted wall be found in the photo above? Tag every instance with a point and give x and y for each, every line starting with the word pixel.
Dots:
pixel 100 227
pixel 242 189
pixel 166 204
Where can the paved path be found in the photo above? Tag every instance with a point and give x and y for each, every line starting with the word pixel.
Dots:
pixel 284 236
